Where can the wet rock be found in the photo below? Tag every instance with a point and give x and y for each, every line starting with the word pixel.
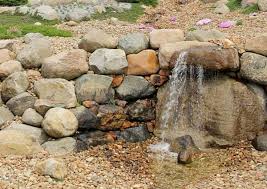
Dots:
pixel 133 43
pixel 5 115
pixel 6 55
pixel 108 61
pixel 260 142
pixel 142 110
pixel 185 142
pixel 111 117
pixel 20 103
pixel 37 133
pixel 67 65
pixel 184 157
pixel 30 37
pixel 205 35
pixel 9 67
pixel 167 50
pixel 96 39
pixel 31 117
pixel 134 134
pixel 253 44
pixel 211 58
pixel 143 63
pixel 60 122
pixel 254 68
pixel 54 168
pixel 94 138
pixel 33 54
pixel 95 88
pixel 57 91
pixel 162 36
pixel 60 147
pixel 134 87
pixel 14 85
pixel 14 142
pixel 86 118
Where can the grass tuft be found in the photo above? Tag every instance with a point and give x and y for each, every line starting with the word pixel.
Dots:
pixel 250 9
pixel 236 5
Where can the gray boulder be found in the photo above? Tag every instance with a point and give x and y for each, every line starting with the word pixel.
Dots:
pixel 37 133
pixel 134 87
pixel 260 142
pixel 96 39
pixel 7 44
pixel 46 12
pixel 133 43
pixel 222 9
pixel 57 91
pixel 95 88
pixel 30 37
pixel 77 14
pixel 254 68
pixel 9 67
pixel 33 54
pixel 262 4
pixel 31 117
pixel 134 134
pixel 205 35
pixel 60 122
pixel 86 118
pixel 60 147
pixel 108 61
pixel 14 85
pixel 20 103
pixel 5 115
pixel 68 65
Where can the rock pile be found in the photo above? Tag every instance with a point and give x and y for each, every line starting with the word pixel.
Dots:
pixel 106 90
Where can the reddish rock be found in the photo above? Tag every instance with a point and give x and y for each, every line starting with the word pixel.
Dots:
pixel 143 63
pixel 158 80
pixel 117 80
pixel 163 72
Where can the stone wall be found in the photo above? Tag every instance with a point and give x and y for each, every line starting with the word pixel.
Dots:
pixel 107 89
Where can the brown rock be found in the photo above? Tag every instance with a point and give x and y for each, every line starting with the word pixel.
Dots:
pixel 257 44
pixel 89 103
pixel 163 72
pixel 143 63
pixel 158 80
pixel 211 58
pixel 117 80
pixel 6 55
pixel 184 157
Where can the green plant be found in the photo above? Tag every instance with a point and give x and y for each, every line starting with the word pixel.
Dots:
pixel 150 2
pixel 13 2
pixel 234 4
pixel 239 22
pixel 250 9
pixel 192 29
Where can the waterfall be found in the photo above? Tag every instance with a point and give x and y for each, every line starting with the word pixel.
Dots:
pixel 185 80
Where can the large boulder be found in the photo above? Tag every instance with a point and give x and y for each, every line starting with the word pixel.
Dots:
pixel 31 117
pixel 60 122
pixel 262 4
pixel 210 58
pixel 205 35
pixel 222 112
pixel 133 43
pixel 15 142
pixel 33 54
pixel 108 61
pixel 86 118
pixel 167 50
pixel 5 115
pixel 58 91
pixel 77 14
pixel 68 65
pixel 54 168
pixel 14 85
pixel 257 44
pixel 20 103
pixel 134 87
pixel 95 88
pixel 9 67
pixel 30 37
pixel 162 36
pixel 254 68
pixel 144 63
pixel 60 147
pixel 46 12
pixel 96 39
pixel 48 2
pixel 6 55
pixel 37 133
